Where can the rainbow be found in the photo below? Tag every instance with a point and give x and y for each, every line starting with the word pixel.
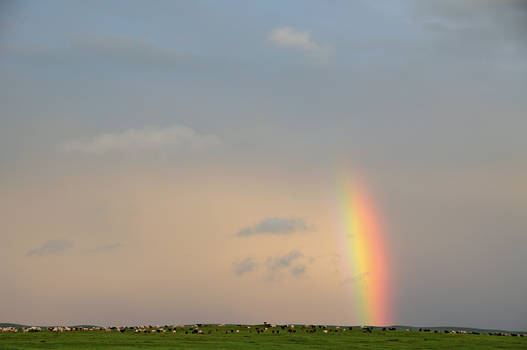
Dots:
pixel 366 259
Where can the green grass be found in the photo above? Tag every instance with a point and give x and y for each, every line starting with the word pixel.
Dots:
pixel 355 339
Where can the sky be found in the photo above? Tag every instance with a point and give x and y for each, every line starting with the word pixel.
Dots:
pixel 177 162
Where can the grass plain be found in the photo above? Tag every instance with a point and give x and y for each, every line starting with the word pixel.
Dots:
pixel 222 338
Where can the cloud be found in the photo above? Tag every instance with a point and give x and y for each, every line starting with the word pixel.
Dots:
pixel 103 248
pixel 481 34
pixel 275 265
pixel 121 46
pixel 174 137
pixel 244 266
pixel 467 9
pixel 275 226
pixel 278 265
pixel 280 262
pixel 51 247
pixel 298 270
pixel 288 37
pixel 114 50
pixel 487 22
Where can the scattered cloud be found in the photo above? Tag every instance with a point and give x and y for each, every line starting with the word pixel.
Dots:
pixel 114 50
pixel 298 270
pixel 468 9
pixel 275 226
pixel 275 265
pixel 51 247
pixel 292 262
pixel 244 266
pixel 174 137
pixel 283 261
pixel 289 37
pixel 103 248
pixel 59 246
pixel 475 20
pixel 121 46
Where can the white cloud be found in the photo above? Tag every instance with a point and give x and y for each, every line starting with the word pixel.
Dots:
pixel 291 38
pixel 174 137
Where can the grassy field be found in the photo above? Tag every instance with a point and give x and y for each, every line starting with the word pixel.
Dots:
pixel 355 339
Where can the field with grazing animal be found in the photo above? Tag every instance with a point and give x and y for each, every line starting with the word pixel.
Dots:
pixel 256 337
